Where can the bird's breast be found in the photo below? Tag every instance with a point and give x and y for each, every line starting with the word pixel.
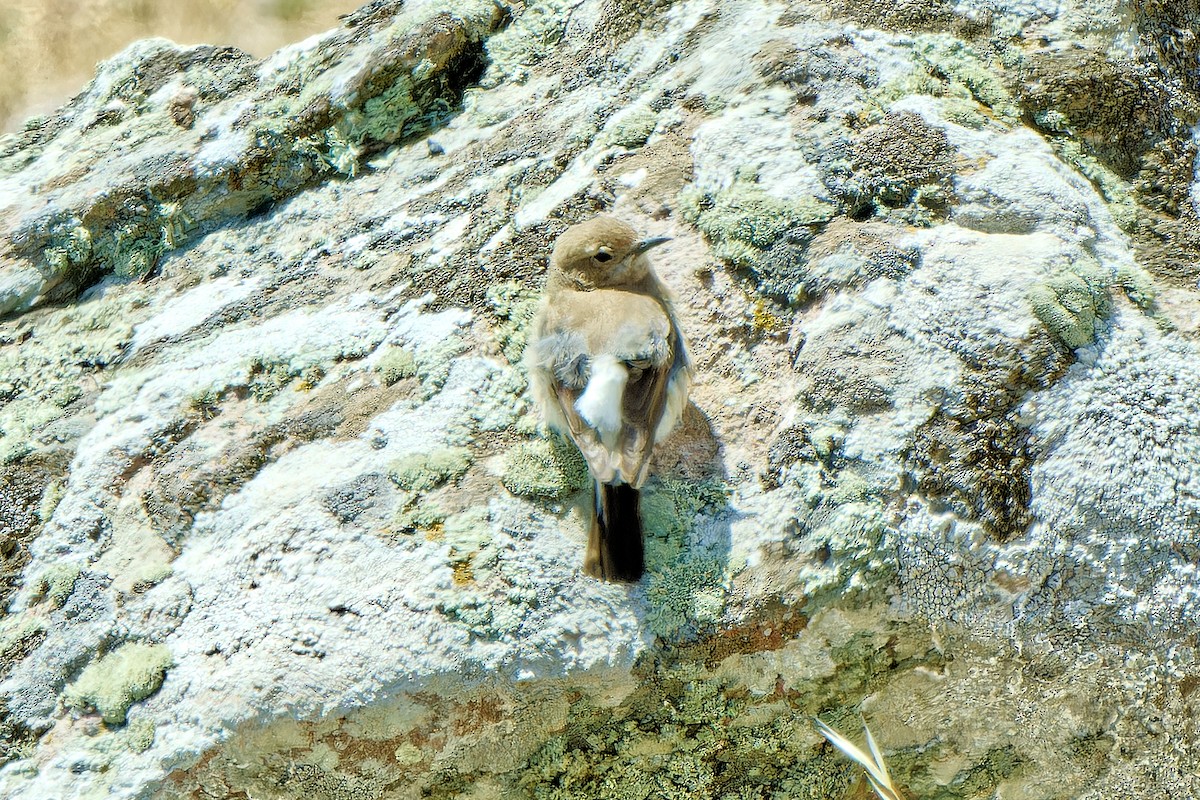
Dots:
pixel 629 325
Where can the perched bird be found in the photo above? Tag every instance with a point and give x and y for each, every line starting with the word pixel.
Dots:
pixel 609 368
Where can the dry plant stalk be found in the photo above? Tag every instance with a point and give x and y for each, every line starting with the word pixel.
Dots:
pixel 876 769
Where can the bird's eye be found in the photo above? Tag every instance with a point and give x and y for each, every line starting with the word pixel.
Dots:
pixel 603 255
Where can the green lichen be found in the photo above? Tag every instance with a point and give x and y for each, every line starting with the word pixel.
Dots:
pixel 266 377
pixel 686 733
pixel 51 498
pixel 827 440
pixel 981 779
pixel 719 717
pixel 65 394
pixel 381 118
pixel 746 225
pixel 320 781
pixel 745 217
pixel 687 590
pixel 396 365
pixel 686 584
pixel 544 469
pixel 947 67
pixel 53 369
pixel 418 67
pixel 850 487
pixel 1139 288
pixel 408 755
pixel 485 615
pixel 1071 303
pixel 528 40
pixel 117 680
pixel 467 531
pixel 499 405
pixel 631 128
pixel 57 583
pixel 514 306
pixel 15 633
pixel 495 594
pixel 206 403
pixel 139 735
pixel 126 233
pixel 1117 193
pixel 310 376
pixel 417 514
pixel 433 363
pixel 899 168
pixel 13 449
pixel 423 472
pixel 148 575
pixel 848 522
pixel 135 236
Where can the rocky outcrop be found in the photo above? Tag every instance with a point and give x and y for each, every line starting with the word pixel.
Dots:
pixel 278 518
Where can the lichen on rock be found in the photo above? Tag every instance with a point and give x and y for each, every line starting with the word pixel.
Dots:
pixel 306 123
pixel 545 469
pixel 422 472
pixel 272 489
pixel 117 680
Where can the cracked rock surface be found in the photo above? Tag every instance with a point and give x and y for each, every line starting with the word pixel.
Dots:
pixel 277 519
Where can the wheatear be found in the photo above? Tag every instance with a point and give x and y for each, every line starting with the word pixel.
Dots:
pixel 609 368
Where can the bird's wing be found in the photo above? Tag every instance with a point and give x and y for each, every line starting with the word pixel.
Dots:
pixel 599 458
pixel 644 402
pixel 636 331
pixel 558 361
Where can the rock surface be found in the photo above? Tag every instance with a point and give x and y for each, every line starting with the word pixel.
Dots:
pixel 279 522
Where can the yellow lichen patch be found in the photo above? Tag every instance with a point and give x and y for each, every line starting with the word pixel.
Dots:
pixel 464 575
pixel 766 321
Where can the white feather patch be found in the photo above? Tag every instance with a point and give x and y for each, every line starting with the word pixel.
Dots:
pixel 600 404
pixel 677 395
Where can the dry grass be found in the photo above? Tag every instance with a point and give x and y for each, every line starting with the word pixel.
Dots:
pixel 49 48
pixel 873 763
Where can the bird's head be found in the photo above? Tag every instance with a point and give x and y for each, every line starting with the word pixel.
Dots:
pixel 602 252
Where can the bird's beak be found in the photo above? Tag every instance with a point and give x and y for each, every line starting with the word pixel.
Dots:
pixel 646 244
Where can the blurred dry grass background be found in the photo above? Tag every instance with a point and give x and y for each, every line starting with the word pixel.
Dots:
pixel 49 48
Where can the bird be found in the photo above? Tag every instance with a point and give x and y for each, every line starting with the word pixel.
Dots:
pixel 609 368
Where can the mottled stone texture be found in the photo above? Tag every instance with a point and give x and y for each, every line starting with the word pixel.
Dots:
pixel 277 520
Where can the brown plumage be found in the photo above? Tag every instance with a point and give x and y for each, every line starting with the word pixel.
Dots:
pixel 609 368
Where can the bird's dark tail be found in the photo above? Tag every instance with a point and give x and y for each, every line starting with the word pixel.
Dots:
pixel 615 543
